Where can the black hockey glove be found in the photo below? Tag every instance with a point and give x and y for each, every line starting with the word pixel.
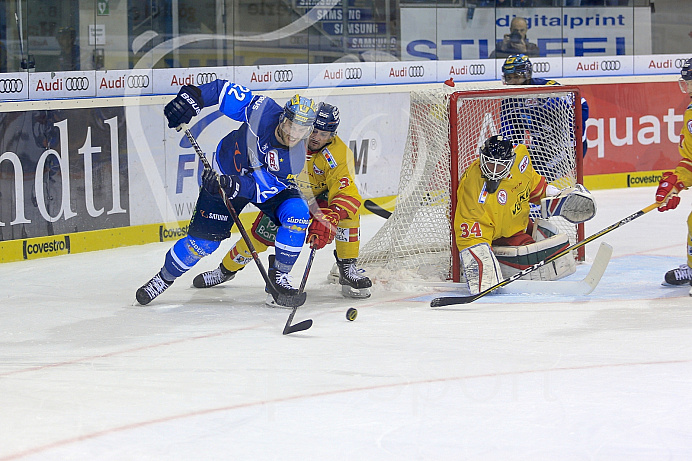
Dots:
pixel 184 106
pixel 230 185
pixel 209 181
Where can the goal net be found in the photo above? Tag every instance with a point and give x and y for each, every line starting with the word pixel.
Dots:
pixel 446 129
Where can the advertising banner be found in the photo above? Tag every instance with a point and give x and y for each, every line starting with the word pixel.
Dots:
pixel 473 33
pixel 63 171
pixel 633 126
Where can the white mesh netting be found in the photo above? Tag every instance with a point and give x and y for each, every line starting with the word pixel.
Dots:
pixel 418 238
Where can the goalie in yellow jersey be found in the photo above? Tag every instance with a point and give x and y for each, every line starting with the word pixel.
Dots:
pixel 327 182
pixel 494 234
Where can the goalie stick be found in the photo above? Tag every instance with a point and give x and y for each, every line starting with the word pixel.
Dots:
pixel 305 324
pixel 374 208
pixel 281 299
pixel 559 287
pixel 449 300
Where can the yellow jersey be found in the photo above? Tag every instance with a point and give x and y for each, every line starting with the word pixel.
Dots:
pixel 684 168
pixel 484 217
pixel 331 170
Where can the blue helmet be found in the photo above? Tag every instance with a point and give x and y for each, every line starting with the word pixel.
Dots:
pixel 517 64
pixel 300 110
pixel 327 118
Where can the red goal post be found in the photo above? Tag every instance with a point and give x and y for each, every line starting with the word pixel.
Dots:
pixel 446 129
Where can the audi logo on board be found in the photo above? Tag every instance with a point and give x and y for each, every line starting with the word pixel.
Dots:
pixel 283 75
pixel 76 83
pixel 679 63
pixel 610 65
pixel 138 81
pixel 206 77
pixel 477 69
pixel 353 73
pixel 540 67
pixel 416 71
pixel 11 85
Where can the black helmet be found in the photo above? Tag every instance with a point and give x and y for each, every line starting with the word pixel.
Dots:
pixel 327 117
pixel 496 158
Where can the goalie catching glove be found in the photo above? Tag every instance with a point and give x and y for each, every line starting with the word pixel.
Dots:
pixel 322 229
pixel 575 204
pixel 667 192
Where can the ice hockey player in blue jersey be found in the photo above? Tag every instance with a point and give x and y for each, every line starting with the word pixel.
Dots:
pixel 518 70
pixel 257 163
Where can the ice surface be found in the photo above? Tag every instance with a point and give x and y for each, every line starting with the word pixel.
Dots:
pixel 207 375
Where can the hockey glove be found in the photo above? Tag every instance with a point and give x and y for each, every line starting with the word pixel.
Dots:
pixel 184 106
pixel 210 181
pixel 322 229
pixel 667 191
pixel 230 185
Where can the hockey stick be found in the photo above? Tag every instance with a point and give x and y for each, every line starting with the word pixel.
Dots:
pixel 305 324
pixel 283 300
pixel 374 208
pixel 446 301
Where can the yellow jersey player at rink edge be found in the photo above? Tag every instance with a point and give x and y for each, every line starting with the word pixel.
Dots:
pixel 494 234
pixel 675 181
pixel 327 181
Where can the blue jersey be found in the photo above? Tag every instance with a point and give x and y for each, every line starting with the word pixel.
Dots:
pixel 253 152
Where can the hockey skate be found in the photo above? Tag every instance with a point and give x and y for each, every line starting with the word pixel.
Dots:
pixel 280 288
pixel 353 283
pixel 679 276
pixel 154 287
pixel 213 278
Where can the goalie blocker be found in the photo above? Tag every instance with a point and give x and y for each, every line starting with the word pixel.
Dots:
pixel 483 267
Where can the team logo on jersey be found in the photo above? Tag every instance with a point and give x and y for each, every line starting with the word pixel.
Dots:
pixel 330 159
pixel 317 170
pixel 483 196
pixel 689 126
pixel 273 160
pixel 502 196
pixel 523 164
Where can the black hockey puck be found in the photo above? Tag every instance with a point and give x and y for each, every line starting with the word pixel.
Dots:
pixel 351 314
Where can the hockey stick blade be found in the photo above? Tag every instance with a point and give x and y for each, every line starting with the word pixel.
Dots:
pixel 374 208
pixel 300 326
pixel 288 300
pixel 449 300
pixel 305 324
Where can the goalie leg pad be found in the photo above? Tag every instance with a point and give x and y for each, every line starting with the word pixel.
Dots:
pixel 575 204
pixel 515 259
pixel 481 268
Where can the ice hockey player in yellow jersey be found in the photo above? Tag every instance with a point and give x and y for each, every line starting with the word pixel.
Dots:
pixel 494 234
pixel 327 182
pixel 675 181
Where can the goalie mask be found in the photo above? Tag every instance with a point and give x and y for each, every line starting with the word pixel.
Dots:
pixel 496 159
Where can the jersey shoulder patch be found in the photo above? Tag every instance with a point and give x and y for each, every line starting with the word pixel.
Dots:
pixel 524 163
pixel 331 161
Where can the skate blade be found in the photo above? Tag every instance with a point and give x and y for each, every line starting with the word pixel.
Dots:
pixel 357 293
